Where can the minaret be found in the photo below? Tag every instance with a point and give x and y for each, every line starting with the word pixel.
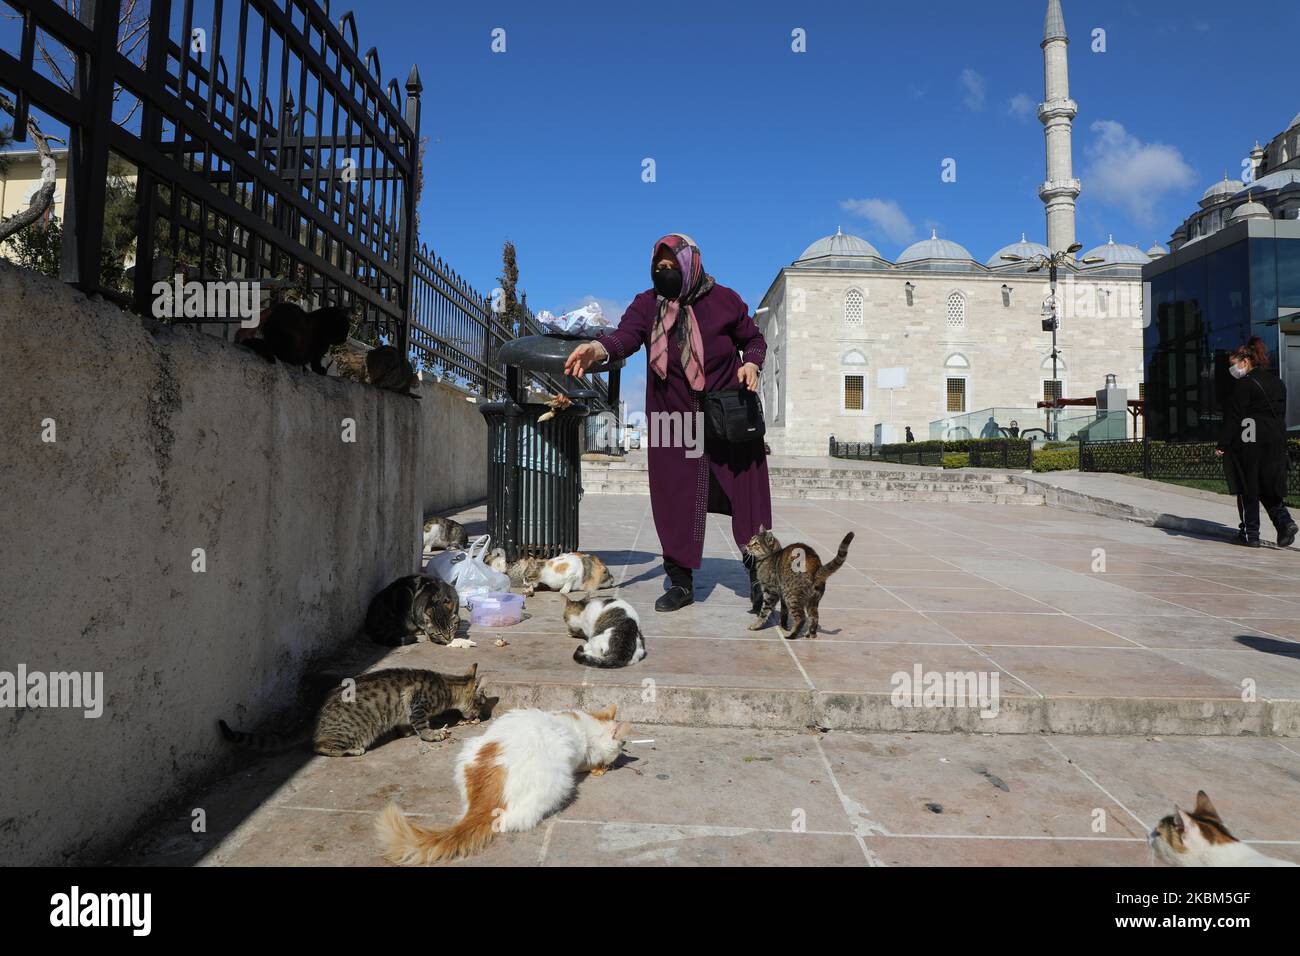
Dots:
pixel 1057 113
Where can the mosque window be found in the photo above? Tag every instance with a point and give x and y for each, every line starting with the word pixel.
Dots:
pixel 956 311
pixel 855 393
pixel 956 395
pixel 853 309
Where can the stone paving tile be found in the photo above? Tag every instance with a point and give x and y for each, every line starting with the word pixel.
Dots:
pixel 869 668
pixel 1048 628
pixel 633 844
pixel 1110 672
pixel 969 785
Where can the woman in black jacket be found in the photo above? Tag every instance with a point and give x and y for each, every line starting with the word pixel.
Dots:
pixel 1253 444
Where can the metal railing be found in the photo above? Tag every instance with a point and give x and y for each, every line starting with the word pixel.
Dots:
pixel 265 146
pixel 1184 461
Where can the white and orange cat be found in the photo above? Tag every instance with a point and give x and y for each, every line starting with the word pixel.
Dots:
pixel 1199 838
pixel 518 772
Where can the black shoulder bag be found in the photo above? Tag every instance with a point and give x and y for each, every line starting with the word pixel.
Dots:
pixel 732 415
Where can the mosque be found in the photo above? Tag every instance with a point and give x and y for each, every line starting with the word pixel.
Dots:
pixel 860 347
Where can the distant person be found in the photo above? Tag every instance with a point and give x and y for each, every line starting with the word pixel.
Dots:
pixel 909 436
pixel 1253 444
pixel 990 429
pixel 1014 428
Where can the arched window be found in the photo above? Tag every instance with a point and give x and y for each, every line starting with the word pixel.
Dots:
pixel 956 311
pixel 956 360
pixel 853 378
pixel 853 309
pixel 956 382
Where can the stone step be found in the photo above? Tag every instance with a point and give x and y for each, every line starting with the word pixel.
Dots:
pixel 1017 497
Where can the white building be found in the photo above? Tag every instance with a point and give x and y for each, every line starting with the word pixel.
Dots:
pixel 859 346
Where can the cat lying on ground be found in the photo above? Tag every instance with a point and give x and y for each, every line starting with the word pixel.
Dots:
pixel 356 715
pixel 794 577
pixel 611 628
pixel 299 338
pixel 510 778
pixel 562 573
pixel 1199 838
pixel 414 608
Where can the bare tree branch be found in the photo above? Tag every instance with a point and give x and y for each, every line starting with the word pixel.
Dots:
pixel 44 198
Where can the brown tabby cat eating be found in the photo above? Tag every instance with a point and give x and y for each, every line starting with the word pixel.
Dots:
pixel 357 714
pixel 794 577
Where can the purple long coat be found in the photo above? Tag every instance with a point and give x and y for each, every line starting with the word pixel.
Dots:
pixel 679 484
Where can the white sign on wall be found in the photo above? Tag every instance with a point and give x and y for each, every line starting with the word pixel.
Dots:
pixel 891 378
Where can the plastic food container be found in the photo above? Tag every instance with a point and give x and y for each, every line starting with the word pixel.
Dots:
pixel 496 609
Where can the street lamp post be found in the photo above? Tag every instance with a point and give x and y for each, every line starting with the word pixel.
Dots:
pixel 1051 321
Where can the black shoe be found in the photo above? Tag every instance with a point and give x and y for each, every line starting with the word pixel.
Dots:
pixel 1286 537
pixel 675 598
pixel 1240 538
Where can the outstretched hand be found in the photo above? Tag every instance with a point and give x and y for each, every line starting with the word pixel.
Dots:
pixel 582 358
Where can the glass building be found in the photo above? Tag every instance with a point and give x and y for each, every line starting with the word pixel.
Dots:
pixel 1203 301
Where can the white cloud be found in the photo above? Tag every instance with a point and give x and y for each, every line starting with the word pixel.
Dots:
pixel 1126 172
pixel 1021 106
pixel 974 89
pixel 885 215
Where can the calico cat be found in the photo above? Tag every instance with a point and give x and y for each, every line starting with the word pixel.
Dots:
pixel 1199 838
pixel 299 338
pixel 523 573
pixel 354 716
pixel 382 367
pixel 509 779
pixel 564 572
pixel 413 608
pixel 612 630
pixel 443 533
pixel 793 576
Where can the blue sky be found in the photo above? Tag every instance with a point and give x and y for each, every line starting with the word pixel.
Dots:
pixel 760 150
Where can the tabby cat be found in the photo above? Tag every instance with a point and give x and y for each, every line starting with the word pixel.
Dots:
pixel 1199 838
pixel 443 533
pixel 612 630
pixel 793 576
pixel 355 715
pixel 299 338
pixel 523 573
pixel 414 608
pixel 382 367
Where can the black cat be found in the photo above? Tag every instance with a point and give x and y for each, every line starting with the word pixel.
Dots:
pixel 300 338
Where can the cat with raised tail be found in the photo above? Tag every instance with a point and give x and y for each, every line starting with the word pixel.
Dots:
pixel 1199 838
pixel 509 779
pixel 792 578
pixel 612 630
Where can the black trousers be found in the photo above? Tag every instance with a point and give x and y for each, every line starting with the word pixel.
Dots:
pixel 1248 513
pixel 719 504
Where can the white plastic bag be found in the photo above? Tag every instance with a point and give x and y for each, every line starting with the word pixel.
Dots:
pixel 588 321
pixel 468 573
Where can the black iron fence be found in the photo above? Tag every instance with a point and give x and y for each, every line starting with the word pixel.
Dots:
pixel 265 148
pixel 264 144
pixel 982 452
pixel 1180 461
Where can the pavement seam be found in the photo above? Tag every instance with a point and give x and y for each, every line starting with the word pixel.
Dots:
pixel 1096 783
pixel 847 805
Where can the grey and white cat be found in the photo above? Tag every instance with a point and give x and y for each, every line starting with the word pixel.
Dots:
pixel 412 609
pixel 1199 838
pixel 357 714
pixel 612 630
pixel 442 533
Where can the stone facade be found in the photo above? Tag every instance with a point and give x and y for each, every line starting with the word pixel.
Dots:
pixel 1000 350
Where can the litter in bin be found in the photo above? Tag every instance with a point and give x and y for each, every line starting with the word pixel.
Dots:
pixel 557 403
pixel 587 322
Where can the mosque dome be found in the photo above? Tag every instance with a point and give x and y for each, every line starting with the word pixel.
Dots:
pixel 839 246
pixel 1223 189
pixel 1113 254
pixel 1156 251
pixel 1022 250
pixel 1250 210
pixel 1274 180
pixel 933 248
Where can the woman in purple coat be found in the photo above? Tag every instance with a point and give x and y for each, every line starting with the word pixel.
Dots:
pixel 701 338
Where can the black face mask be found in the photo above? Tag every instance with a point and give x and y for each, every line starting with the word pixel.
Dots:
pixel 668 282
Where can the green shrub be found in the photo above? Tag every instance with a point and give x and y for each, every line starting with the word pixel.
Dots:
pixel 956 460
pixel 1059 459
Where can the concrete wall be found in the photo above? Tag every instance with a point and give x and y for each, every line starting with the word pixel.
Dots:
pixel 170 440
pixel 453 451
